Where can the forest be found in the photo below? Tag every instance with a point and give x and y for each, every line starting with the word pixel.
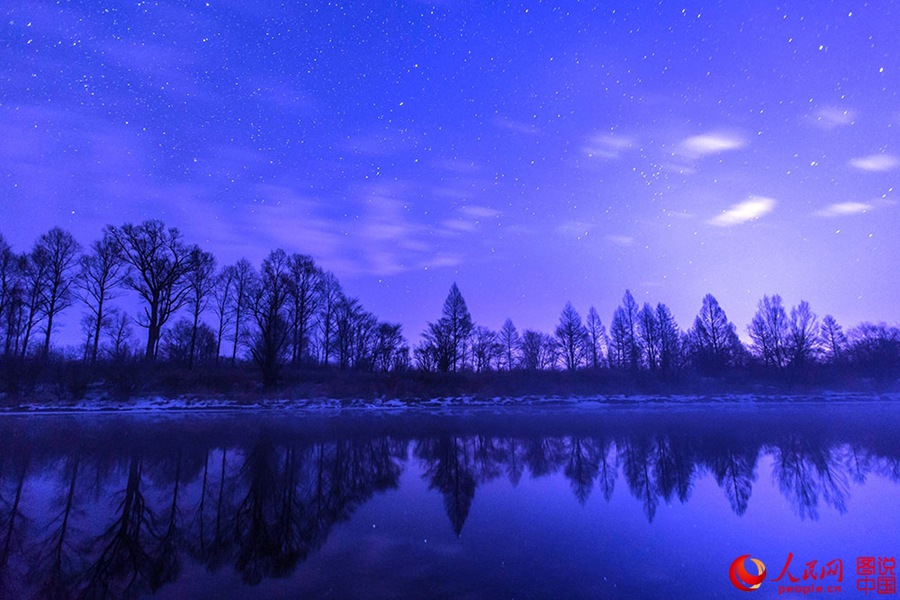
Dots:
pixel 288 326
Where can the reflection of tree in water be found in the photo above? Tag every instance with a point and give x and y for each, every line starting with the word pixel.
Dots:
pixel 165 564
pixel 545 455
pixel 122 562
pixel 674 467
pixel 54 564
pixel 210 539
pixel 449 467
pixel 638 467
pixel 735 472
pixel 293 496
pixel 514 451
pixel 806 471
pixel 264 506
pixel 658 468
pixel 607 468
pixel 582 467
pixel 11 518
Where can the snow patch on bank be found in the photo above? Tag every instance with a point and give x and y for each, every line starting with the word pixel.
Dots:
pixel 195 403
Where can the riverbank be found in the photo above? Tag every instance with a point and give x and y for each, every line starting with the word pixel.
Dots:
pixel 201 403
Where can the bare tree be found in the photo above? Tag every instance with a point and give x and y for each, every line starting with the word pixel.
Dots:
pixel 33 276
pixel 538 350
pixel 119 333
pixel 102 271
pixel 803 335
pixel 627 328
pixel 449 336
pixel 509 341
pixel 769 331
pixel 305 278
pixel 354 329
pixel 714 341
pixel 596 338
pixel 571 337
pixel 270 296
pixel 160 261
pixel 458 321
pixel 9 290
pixel 200 281
pixel 648 331
pixel 244 277
pixel 486 349
pixel 58 251
pixel 832 340
pixel 330 295
pixel 389 348
pixel 222 304
pixel 669 339
pixel 618 340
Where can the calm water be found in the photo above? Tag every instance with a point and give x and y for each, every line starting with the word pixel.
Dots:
pixel 652 502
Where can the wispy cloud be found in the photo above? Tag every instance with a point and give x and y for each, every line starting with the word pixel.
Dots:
pixel 458 225
pixel 479 212
pixel 607 146
pixel 620 240
pixel 742 212
pixel 876 162
pixel 516 126
pixel 576 229
pixel 715 142
pixel 844 208
pixel 829 117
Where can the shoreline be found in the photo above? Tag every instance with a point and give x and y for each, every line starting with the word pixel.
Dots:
pixel 198 404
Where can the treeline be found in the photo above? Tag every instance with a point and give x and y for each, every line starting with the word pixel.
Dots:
pixel 646 341
pixel 289 318
pixel 289 311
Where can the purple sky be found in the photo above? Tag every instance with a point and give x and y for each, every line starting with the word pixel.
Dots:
pixel 534 153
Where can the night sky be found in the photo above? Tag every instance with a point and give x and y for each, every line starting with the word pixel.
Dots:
pixel 535 153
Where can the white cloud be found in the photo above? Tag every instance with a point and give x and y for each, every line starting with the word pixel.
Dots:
pixel 742 212
pixel 710 143
pixel 844 208
pixel 876 162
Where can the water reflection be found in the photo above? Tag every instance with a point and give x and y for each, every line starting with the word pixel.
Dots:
pixel 114 507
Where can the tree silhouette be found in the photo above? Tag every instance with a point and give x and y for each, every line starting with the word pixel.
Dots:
pixel 571 337
pixel 200 279
pixel 650 337
pixel 57 253
pixel 832 340
pixel 102 271
pixel 596 338
pixel 305 277
pixel 769 331
pixel 160 261
pixel 714 339
pixel 509 341
pixel 669 340
pixel 269 298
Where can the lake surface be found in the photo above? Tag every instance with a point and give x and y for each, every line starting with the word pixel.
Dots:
pixel 631 502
